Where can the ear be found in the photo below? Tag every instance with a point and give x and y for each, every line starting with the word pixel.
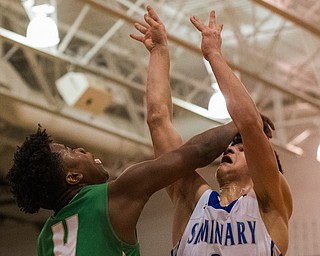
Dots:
pixel 73 178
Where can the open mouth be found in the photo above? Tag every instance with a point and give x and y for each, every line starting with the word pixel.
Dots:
pixel 226 159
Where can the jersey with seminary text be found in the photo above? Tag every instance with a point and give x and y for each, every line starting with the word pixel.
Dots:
pixel 215 230
pixel 83 228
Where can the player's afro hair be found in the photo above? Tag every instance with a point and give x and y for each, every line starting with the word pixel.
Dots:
pixel 36 174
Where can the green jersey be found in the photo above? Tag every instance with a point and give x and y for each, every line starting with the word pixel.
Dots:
pixel 83 228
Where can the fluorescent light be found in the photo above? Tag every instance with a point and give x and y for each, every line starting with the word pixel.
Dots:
pixel 42 32
pixel 217 104
pixel 318 153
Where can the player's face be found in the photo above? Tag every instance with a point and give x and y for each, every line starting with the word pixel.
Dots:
pixel 79 161
pixel 233 163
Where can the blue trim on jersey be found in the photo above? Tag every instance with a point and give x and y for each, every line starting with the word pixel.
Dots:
pixel 174 251
pixel 272 248
pixel 214 201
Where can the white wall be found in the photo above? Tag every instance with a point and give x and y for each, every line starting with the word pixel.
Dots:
pixel 154 227
pixel 303 174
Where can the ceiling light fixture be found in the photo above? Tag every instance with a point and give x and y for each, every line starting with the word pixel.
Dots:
pixel 217 104
pixel 42 31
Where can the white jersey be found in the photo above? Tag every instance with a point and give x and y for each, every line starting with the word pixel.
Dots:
pixel 234 230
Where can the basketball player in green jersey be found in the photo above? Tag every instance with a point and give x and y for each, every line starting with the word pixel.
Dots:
pixel 92 216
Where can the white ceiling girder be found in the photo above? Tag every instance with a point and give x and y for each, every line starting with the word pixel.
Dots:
pixel 38 72
pixel 73 28
pixel 189 46
pixel 34 101
pixel 105 38
pixel 101 42
pixel 133 6
pixel 285 12
pixel 185 47
pixel 314 52
pixel 278 116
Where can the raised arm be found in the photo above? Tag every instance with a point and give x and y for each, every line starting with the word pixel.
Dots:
pixel 270 186
pixel 185 192
pixel 159 106
pixel 159 101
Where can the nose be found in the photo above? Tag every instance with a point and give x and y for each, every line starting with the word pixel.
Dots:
pixel 230 149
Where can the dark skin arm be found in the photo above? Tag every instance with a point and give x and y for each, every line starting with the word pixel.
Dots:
pixel 131 190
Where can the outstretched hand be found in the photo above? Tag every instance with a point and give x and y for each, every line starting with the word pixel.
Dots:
pixel 211 35
pixel 154 32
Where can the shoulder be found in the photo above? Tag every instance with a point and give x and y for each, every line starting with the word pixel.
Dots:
pixel 187 191
pixel 92 190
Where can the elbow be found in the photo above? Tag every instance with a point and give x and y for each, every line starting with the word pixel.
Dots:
pixel 247 123
pixel 157 114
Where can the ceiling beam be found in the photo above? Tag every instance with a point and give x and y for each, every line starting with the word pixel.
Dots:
pixel 64 113
pixel 288 16
pixel 290 91
pixel 21 41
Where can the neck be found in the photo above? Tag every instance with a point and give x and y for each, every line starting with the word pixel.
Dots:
pixel 230 192
pixel 65 198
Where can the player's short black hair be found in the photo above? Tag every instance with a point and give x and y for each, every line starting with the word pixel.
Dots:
pixel 36 174
pixel 237 140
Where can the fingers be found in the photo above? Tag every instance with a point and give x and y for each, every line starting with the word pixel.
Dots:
pixel 152 13
pixel 138 38
pixel 151 17
pixel 212 22
pixel 212 19
pixel 151 22
pixel 197 23
pixel 267 121
pixel 141 28
pixel 220 27
pixel 267 125
pixel 267 130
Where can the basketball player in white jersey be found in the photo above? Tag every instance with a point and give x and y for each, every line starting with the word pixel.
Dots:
pixel 249 214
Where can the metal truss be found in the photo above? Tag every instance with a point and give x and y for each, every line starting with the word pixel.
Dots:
pixel 272 45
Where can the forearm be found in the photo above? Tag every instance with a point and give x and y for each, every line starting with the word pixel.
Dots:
pixel 241 107
pixel 159 103
pixel 168 168
pixel 215 140
pixel 158 84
